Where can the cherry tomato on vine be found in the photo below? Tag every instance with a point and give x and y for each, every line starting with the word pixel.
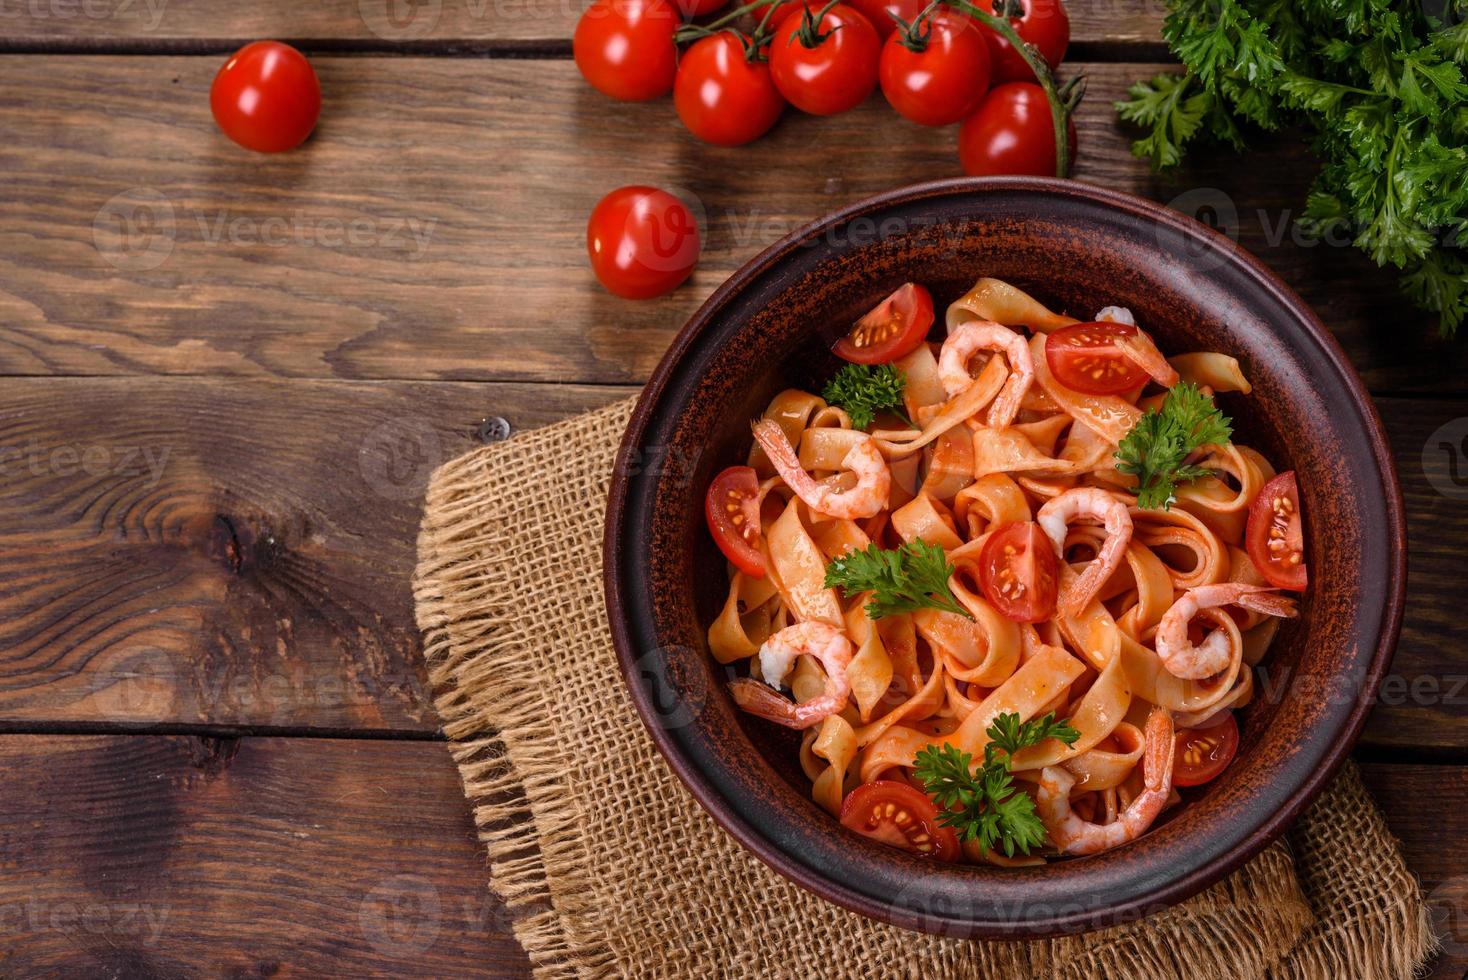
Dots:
pixel 1200 754
pixel 892 329
pixel 1011 133
pixel 1084 357
pixel 1275 536
pixel 1044 24
pixel 722 95
pixel 880 12
pixel 625 48
pixel 731 508
pixel 266 97
pixel 827 68
pixel 873 810
pixel 642 241
pixel 698 8
pixel 783 10
pixel 937 71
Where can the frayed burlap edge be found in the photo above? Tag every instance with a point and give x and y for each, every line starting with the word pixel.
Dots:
pixel 512 763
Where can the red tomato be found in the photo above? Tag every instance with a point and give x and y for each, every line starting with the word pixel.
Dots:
pixel 865 811
pixel 830 69
pixel 643 242
pixel 721 95
pixel 1085 358
pixel 1275 536
pixel 880 12
pixel 732 510
pixel 945 80
pixel 1019 573
pixel 625 48
pixel 266 97
pixel 1011 133
pixel 891 330
pixel 1043 24
pixel 1202 753
pixel 783 10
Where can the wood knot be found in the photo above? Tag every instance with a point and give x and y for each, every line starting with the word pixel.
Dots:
pixel 211 755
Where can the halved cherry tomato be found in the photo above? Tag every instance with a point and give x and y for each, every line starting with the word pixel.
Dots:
pixel 891 330
pixel 1011 132
pixel 1044 24
pixel 1085 358
pixel 266 97
pixel 827 68
pixel 1202 753
pixel 625 48
pixel 732 510
pixel 1275 536
pixel 642 242
pixel 722 95
pixel 1019 573
pixel 900 816
pixel 937 71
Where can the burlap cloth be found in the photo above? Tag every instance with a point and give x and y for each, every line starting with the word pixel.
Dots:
pixel 610 867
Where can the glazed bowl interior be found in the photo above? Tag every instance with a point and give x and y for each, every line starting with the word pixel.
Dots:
pixel 1076 249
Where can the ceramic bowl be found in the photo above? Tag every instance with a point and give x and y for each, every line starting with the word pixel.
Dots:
pixel 1077 248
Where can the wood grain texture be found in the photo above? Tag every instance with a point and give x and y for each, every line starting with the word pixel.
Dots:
pixel 495 25
pixel 187 857
pixel 434 227
pixel 210 552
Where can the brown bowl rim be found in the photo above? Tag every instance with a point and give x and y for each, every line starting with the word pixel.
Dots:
pixel 1173 890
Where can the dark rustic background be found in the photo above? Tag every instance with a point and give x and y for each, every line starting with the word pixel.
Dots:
pixel 228 376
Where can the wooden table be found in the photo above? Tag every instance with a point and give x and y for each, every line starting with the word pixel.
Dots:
pixel 229 376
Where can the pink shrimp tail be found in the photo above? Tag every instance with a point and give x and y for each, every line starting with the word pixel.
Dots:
pixel 1158 758
pixel 1268 602
pixel 765 702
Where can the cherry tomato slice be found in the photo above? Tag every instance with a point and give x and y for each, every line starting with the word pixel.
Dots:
pixel 266 97
pixel 898 815
pixel 891 330
pixel 1202 753
pixel 1019 573
pixel 642 242
pixel 1085 358
pixel 732 510
pixel 1275 536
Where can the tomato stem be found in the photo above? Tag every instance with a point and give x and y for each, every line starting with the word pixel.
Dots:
pixel 688 31
pixel 915 36
pixel 1061 106
pixel 810 26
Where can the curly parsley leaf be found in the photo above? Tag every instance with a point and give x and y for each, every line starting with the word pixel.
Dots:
pixel 981 802
pixel 914 576
pixel 1157 449
pixel 863 391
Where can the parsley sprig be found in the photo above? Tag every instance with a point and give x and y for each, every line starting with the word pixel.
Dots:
pixel 1157 448
pixel 983 804
pixel 1382 87
pixel 914 576
pixel 863 391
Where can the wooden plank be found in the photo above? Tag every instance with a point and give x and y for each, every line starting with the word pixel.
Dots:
pixel 415 24
pixel 434 227
pixel 189 857
pixel 184 857
pixel 207 552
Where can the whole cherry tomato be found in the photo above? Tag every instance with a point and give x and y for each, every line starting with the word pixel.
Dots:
pixel 1044 24
pixel 625 48
pixel 1011 133
pixel 880 12
pixel 266 97
pixel 724 93
pixel 827 68
pixel 936 72
pixel 642 241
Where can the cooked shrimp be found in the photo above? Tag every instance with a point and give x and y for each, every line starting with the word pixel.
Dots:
pixel 866 499
pixel 1076 836
pixel 968 339
pixel 1177 652
pixel 1098 505
pixel 812 638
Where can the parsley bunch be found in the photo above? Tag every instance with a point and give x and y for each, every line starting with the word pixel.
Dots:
pixel 1381 85
pixel 984 804
pixel 863 391
pixel 914 576
pixel 1156 450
